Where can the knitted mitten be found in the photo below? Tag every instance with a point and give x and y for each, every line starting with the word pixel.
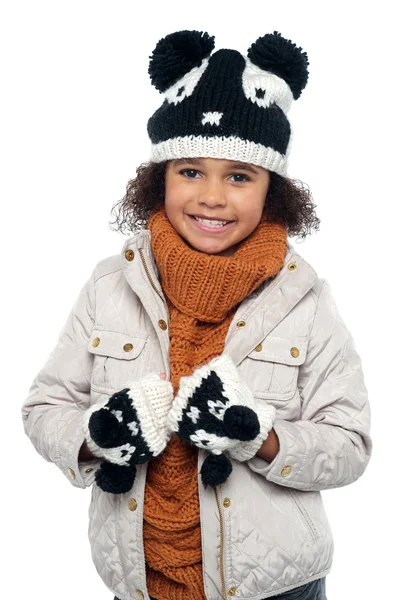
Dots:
pixel 128 429
pixel 215 409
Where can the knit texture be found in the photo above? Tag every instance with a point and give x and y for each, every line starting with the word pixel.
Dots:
pixel 216 409
pixel 130 426
pixel 225 105
pixel 202 292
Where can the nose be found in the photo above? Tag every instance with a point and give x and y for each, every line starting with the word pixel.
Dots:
pixel 212 193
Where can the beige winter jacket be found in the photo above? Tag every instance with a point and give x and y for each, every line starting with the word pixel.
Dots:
pixel 265 530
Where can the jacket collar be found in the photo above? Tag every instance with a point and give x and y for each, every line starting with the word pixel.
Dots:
pixel 274 298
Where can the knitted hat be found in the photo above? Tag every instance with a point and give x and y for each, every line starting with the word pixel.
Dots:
pixel 225 105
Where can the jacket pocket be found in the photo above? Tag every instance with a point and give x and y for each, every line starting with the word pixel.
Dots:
pixel 118 358
pixel 304 514
pixel 273 366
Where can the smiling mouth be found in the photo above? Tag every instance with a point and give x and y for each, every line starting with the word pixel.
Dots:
pixel 210 228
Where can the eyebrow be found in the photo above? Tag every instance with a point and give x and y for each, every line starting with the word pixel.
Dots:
pixel 196 161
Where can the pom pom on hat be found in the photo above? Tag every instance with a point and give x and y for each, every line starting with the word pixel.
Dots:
pixel 282 57
pixel 176 54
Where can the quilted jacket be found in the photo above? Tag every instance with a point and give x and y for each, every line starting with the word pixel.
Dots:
pixel 265 530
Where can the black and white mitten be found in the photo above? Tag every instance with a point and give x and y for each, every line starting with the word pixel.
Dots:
pixel 215 409
pixel 128 429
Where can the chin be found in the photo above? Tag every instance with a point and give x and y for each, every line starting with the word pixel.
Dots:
pixel 205 250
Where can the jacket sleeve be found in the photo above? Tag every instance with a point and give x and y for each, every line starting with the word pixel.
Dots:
pixel 330 446
pixel 60 393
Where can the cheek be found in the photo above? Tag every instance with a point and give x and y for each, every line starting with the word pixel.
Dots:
pixel 177 196
pixel 175 203
pixel 174 188
pixel 258 200
pixel 252 209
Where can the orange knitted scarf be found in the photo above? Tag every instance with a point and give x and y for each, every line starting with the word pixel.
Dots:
pixel 203 292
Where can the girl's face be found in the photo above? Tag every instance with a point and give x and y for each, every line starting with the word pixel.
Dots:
pixel 213 188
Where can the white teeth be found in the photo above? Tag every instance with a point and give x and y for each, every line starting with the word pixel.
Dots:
pixel 211 223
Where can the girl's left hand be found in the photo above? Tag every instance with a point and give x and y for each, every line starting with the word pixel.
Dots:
pixel 215 410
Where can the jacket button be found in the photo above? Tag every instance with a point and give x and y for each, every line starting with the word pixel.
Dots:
pixel 294 352
pixel 129 255
pixel 88 470
pixel 226 502
pixel 241 324
pixel 258 348
pixel 291 266
pixel 232 591
pixel 132 504
pixel 95 342
pixel 128 347
pixel 139 595
pixel 162 324
pixel 71 473
pixel 286 471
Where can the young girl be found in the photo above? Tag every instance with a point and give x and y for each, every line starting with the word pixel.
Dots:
pixel 205 383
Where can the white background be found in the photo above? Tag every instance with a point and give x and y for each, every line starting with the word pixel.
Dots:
pixel 75 99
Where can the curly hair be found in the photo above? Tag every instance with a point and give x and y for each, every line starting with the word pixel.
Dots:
pixel 288 202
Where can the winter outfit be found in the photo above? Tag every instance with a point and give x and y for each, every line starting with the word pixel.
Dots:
pixel 182 506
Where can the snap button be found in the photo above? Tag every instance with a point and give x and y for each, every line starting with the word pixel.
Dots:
pixel 232 591
pixel 241 324
pixel 128 347
pixel 95 342
pixel 139 595
pixel 132 504
pixel 291 266
pixel 162 324
pixel 258 348
pixel 71 473
pixel 286 471
pixel 226 502
pixel 88 470
pixel 129 255
pixel 294 352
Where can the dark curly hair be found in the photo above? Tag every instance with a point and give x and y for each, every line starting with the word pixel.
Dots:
pixel 288 202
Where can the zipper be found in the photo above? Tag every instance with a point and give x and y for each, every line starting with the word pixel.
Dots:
pixel 149 275
pixel 152 282
pixel 155 288
pixel 221 543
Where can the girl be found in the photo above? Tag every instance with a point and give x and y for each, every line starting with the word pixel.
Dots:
pixel 205 383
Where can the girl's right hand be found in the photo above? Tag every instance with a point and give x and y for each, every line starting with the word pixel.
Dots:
pixel 130 426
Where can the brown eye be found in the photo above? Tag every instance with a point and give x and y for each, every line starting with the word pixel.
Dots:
pixel 245 178
pixel 190 171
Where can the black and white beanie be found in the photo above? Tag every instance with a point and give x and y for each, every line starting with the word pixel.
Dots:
pixel 225 105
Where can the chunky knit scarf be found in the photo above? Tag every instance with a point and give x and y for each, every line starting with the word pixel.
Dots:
pixel 203 292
